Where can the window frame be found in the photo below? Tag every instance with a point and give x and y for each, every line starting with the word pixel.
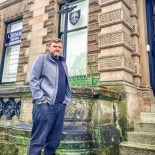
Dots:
pixel 4 50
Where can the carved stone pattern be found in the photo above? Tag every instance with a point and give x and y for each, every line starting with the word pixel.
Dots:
pixel 116 62
pixel 110 17
pixel 8 3
pixel 108 2
pixel 93 18
pixel 113 17
pixel 136 30
pixel 93 38
pixel 127 19
pixel 92 58
pixel 93 47
pixel 134 10
pixel 110 62
pixel 128 63
pixel 137 69
pixel 94 9
pixel 93 27
pixel 110 39
pixel 128 42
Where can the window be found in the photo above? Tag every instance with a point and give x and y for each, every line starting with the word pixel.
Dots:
pixel 11 51
pixel 76 38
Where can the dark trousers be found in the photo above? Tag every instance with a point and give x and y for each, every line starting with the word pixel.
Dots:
pixel 47 128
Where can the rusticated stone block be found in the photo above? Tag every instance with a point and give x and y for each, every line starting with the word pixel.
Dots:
pixel 51 30
pixel 49 22
pixel 24 36
pixel 93 18
pixel 93 48
pixel 49 8
pixel 20 68
pixel 27 15
pixel 92 58
pixel 94 9
pixel 25 23
pixel 21 77
pixel 51 14
pixel 116 39
pixel 93 38
pixel 47 39
pixel 24 44
pixel 23 60
pixel 26 29
pixel 93 27
pixel 114 17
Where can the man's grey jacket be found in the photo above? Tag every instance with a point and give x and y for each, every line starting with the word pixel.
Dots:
pixel 44 80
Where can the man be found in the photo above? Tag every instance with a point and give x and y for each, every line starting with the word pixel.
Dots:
pixel 51 92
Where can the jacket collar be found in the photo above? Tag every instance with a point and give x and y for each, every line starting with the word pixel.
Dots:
pixel 50 57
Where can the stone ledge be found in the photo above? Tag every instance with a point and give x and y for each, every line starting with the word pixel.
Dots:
pixel 94 92
pixel 8 3
pixel 97 92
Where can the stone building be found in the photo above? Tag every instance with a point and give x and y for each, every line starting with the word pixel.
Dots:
pixel 111 58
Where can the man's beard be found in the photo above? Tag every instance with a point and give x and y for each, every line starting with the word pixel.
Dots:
pixel 56 54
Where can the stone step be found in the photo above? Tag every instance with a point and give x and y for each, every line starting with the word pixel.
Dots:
pixel 153 108
pixel 76 145
pixel 147 117
pixel 141 137
pixel 76 152
pixel 127 148
pixel 77 136
pixel 14 139
pixel 144 127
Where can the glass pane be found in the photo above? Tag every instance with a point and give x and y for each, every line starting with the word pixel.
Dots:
pixel 78 17
pixel 153 7
pixel 76 52
pixel 154 28
pixel 11 64
pixel 13 35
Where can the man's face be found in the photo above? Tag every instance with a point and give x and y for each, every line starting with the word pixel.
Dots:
pixel 56 49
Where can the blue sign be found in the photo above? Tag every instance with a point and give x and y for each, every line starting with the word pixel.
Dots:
pixel 13 37
pixel 74 17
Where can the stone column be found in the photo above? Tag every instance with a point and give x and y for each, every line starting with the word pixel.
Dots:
pixel 93 30
pixel 115 60
pixel 147 92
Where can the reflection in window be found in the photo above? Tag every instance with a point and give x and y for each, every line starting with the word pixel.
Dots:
pixel 12 48
pixel 76 38
pixel 11 63
pixel 153 8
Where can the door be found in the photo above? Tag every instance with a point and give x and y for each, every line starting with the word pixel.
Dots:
pixel 150 14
